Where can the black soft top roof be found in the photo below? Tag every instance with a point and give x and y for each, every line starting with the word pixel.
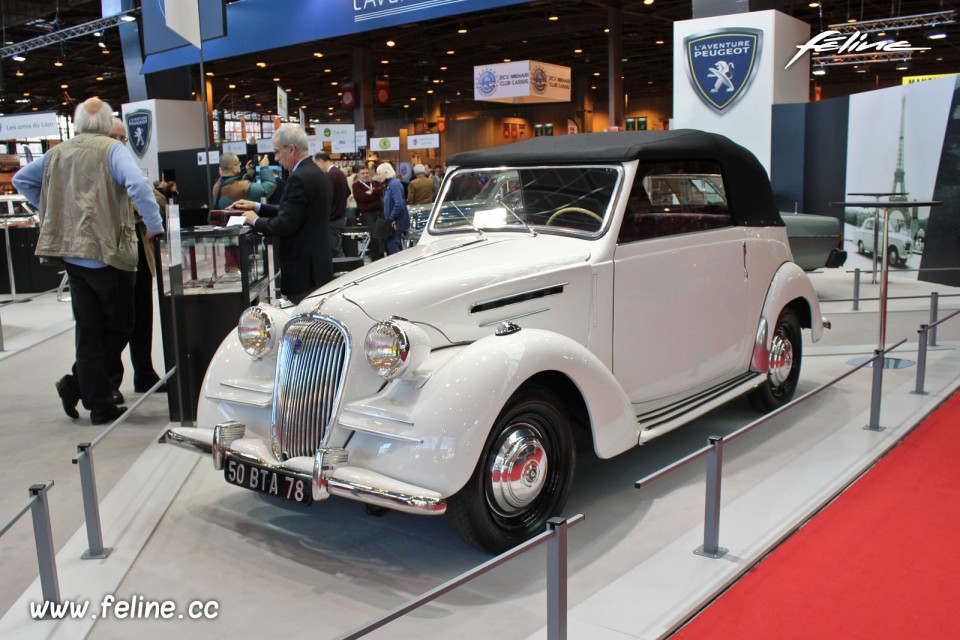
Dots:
pixel 745 180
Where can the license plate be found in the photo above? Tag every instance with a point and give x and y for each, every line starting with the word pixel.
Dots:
pixel 269 481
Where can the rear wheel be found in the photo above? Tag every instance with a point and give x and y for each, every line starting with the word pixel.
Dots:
pixel 786 350
pixel 860 247
pixel 894 255
pixel 523 475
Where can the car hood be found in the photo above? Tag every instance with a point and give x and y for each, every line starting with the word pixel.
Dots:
pixel 439 282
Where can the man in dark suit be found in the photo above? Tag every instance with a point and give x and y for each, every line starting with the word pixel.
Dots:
pixel 301 220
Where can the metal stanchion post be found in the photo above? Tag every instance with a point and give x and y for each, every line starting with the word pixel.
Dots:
pixel 91 505
pixel 921 361
pixel 1 335
pixel 43 534
pixel 875 392
pixel 934 303
pixel 711 522
pixel 856 289
pixel 557 579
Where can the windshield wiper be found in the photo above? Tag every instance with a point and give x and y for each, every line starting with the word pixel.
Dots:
pixel 468 219
pixel 515 215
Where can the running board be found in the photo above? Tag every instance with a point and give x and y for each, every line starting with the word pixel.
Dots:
pixel 659 421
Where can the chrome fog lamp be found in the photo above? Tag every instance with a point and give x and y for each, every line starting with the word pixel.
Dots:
pixel 396 347
pixel 257 331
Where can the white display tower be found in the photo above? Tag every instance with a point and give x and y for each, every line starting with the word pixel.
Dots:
pixel 173 125
pixel 742 112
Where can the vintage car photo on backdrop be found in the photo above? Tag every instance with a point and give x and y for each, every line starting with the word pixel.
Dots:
pixel 594 293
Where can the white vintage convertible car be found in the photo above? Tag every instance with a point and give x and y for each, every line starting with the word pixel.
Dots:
pixel 582 303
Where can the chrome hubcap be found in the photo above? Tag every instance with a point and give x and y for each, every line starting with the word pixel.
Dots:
pixel 518 471
pixel 781 359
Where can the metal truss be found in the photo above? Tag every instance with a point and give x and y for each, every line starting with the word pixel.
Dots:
pixel 891 24
pixel 69 33
pixel 820 62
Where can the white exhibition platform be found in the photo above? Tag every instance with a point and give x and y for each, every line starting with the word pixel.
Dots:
pixel 181 534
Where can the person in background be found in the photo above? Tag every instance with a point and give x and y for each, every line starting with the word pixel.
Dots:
pixel 394 207
pixel 351 201
pixel 141 337
pixel 338 206
pixel 301 220
pixel 421 188
pixel 81 188
pixel 234 185
pixel 369 196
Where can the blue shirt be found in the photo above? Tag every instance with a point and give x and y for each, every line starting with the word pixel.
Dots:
pixel 29 181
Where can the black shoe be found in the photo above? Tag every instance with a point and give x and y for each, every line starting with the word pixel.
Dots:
pixel 116 396
pixel 68 397
pixel 141 386
pixel 107 415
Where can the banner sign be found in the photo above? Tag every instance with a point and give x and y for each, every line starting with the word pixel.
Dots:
pixel 264 145
pixel 314 146
pixel 212 157
pixel 361 139
pixel 385 144
pixel 238 148
pixel 425 141
pixel 522 82
pixel 721 64
pixel 34 125
pixel 282 103
pixel 344 146
pixel 344 133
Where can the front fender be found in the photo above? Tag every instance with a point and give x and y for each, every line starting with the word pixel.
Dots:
pixel 788 285
pixel 437 428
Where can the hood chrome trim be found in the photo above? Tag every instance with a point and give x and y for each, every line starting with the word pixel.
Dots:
pixel 516 298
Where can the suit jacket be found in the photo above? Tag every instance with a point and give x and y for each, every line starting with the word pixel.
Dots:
pixel 302 222
pixel 338 181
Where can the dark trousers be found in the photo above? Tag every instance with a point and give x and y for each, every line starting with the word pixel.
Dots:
pixel 377 246
pixel 336 237
pixel 141 337
pixel 102 302
pixel 395 243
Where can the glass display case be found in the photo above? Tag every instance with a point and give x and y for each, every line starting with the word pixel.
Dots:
pixel 224 271
pixel 217 260
pixel 21 268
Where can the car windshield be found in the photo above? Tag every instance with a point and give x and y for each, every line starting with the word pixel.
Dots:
pixel 573 200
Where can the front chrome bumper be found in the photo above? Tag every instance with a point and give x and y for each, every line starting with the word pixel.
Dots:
pixel 328 472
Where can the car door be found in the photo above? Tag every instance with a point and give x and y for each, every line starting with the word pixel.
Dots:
pixel 681 313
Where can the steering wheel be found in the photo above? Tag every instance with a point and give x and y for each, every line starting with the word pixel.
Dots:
pixel 580 210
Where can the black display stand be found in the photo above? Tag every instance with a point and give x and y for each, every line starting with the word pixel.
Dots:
pixel 29 275
pixel 208 315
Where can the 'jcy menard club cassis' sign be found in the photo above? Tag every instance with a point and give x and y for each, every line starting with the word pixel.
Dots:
pixel 721 64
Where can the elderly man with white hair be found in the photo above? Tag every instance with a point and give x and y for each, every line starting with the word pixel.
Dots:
pixel 81 188
pixel 301 220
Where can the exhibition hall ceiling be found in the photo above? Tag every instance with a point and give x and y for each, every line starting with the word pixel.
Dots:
pixel 435 56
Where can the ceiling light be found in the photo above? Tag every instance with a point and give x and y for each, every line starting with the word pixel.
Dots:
pixel 258 104
pixel 851 20
pixel 105 51
pixel 659 41
pixel 334 83
pixel 813 5
pixel 443 68
pixel 262 64
pixel 231 86
pixel 317 54
pixel 648 2
pixel 607 30
pixel 936 33
pixel 26 94
pixel 19 58
pixel 507 60
pixel 287 90
pixel 391 43
pixel 384 62
pixel 553 18
pixel 246 96
pixel 64 86
pixel 19 73
pixel 436 81
pixel 578 50
pixel 99 78
pixel 58 64
pixel 327 70
pixel 210 74
pixel 429 90
pixel 596 73
pixel 593 87
pixel 451 52
pixel 461 30
pixel 101 45
pixel 97 34
pixel 861 70
pixel 819 72
pixel 276 79
pixel 413 99
pixel 127 19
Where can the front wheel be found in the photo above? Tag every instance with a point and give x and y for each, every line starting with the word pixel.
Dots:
pixel 894 256
pixel 860 248
pixel 523 475
pixel 786 351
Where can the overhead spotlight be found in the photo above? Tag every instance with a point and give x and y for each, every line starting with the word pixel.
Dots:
pixel 391 43
pixel 19 73
pixel 813 5
pixel 262 65
pixel 246 96
pixel 384 62
pixel 660 41
pixel 462 29
pixel 231 86
pixel 553 18
pixel 101 45
pixel 58 64
pixel 819 72
pixel 451 52
pixel 648 2
pixel 935 33
pixel 276 79
pixel 64 86
pixel 104 51
pixel 99 78
pixel 429 90
pixel 127 19
pixel 443 68
pixel 97 34
pixel 19 58
pixel 578 50
pixel 507 60
pixel 317 54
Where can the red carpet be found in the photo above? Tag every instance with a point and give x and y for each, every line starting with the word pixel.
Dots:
pixel 881 561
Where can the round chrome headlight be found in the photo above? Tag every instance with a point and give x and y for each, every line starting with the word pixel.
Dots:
pixel 395 347
pixel 256 332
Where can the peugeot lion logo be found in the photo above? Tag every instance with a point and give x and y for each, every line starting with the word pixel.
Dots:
pixel 721 64
pixel 138 130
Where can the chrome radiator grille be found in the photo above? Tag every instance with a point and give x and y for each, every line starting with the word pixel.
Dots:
pixel 311 364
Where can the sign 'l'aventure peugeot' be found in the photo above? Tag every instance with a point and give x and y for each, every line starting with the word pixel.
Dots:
pixel 721 64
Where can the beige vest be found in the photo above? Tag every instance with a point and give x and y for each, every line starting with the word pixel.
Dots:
pixel 84 212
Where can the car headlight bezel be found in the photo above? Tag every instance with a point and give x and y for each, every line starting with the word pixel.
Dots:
pixel 258 331
pixel 395 348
